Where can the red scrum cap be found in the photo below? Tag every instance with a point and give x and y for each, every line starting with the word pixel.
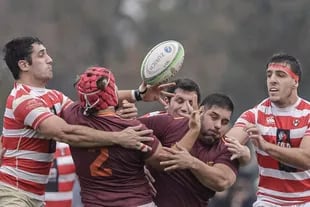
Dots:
pixel 96 89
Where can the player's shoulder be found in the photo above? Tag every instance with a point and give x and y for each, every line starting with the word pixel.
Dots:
pixel 75 106
pixel 154 113
pixel 155 116
pixel 260 106
pixel 56 93
pixel 303 104
pixel 264 103
pixel 20 90
pixel 22 95
pixel 161 115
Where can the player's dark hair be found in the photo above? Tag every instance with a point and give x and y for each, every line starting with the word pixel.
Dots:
pixel 219 100
pixel 186 85
pixel 289 59
pixel 19 49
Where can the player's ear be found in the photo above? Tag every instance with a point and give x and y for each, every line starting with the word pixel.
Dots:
pixel 296 84
pixel 23 65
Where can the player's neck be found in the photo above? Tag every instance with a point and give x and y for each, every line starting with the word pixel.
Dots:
pixel 31 82
pixel 289 101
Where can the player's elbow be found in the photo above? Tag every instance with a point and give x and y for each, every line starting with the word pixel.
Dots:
pixel 224 183
pixel 56 132
pixel 65 134
pixel 53 126
pixel 60 136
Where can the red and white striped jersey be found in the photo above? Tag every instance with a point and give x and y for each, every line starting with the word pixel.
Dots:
pixel 28 158
pixel 279 183
pixel 61 178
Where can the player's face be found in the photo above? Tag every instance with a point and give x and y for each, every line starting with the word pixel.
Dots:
pixel 41 68
pixel 180 102
pixel 214 124
pixel 281 87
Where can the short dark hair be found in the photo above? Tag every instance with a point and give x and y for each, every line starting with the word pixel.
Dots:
pixel 217 99
pixel 19 49
pixel 289 59
pixel 185 84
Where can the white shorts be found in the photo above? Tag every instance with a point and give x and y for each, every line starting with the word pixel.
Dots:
pixel 10 197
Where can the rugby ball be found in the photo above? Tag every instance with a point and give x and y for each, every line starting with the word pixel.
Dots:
pixel 162 62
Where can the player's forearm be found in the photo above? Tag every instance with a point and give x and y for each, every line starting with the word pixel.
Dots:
pixel 82 136
pixel 238 133
pixel 81 144
pixel 126 95
pixel 189 139
pixel 210 176
pixel 56 128
pixel 297 157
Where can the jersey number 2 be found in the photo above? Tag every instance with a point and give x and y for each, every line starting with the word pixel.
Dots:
pixel 96 168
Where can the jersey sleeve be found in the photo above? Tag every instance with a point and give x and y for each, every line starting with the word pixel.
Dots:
pixel 64 100
pixel 30 110
pixel 156 123
pixel 247 117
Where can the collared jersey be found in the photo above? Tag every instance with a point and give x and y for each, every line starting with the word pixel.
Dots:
pixel 29 155
pixel 110 176
pixel 286 127
pixel 180 187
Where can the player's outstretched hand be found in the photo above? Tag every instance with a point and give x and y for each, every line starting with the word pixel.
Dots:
pixel 255 136
pixel 237 149
pixel 155 92
pixel 193 113
pixel 133 138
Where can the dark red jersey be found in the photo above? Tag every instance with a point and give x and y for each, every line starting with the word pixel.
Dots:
pixel 110 176
pixel 181 188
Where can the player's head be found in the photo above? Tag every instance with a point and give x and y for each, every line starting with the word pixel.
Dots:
pixel 283 78
pixel 21 53
pixel 96 89
pixel 218 109
pixel 184 90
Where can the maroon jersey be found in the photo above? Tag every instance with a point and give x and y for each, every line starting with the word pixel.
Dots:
pixel 181 188
pixel 110 176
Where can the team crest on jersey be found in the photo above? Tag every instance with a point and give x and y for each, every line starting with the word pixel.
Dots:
pixel 296 122
pixel 270 120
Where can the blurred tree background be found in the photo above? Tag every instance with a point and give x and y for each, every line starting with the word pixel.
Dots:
pixel 227 43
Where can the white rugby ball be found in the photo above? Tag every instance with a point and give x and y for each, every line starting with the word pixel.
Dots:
pixel 162 62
